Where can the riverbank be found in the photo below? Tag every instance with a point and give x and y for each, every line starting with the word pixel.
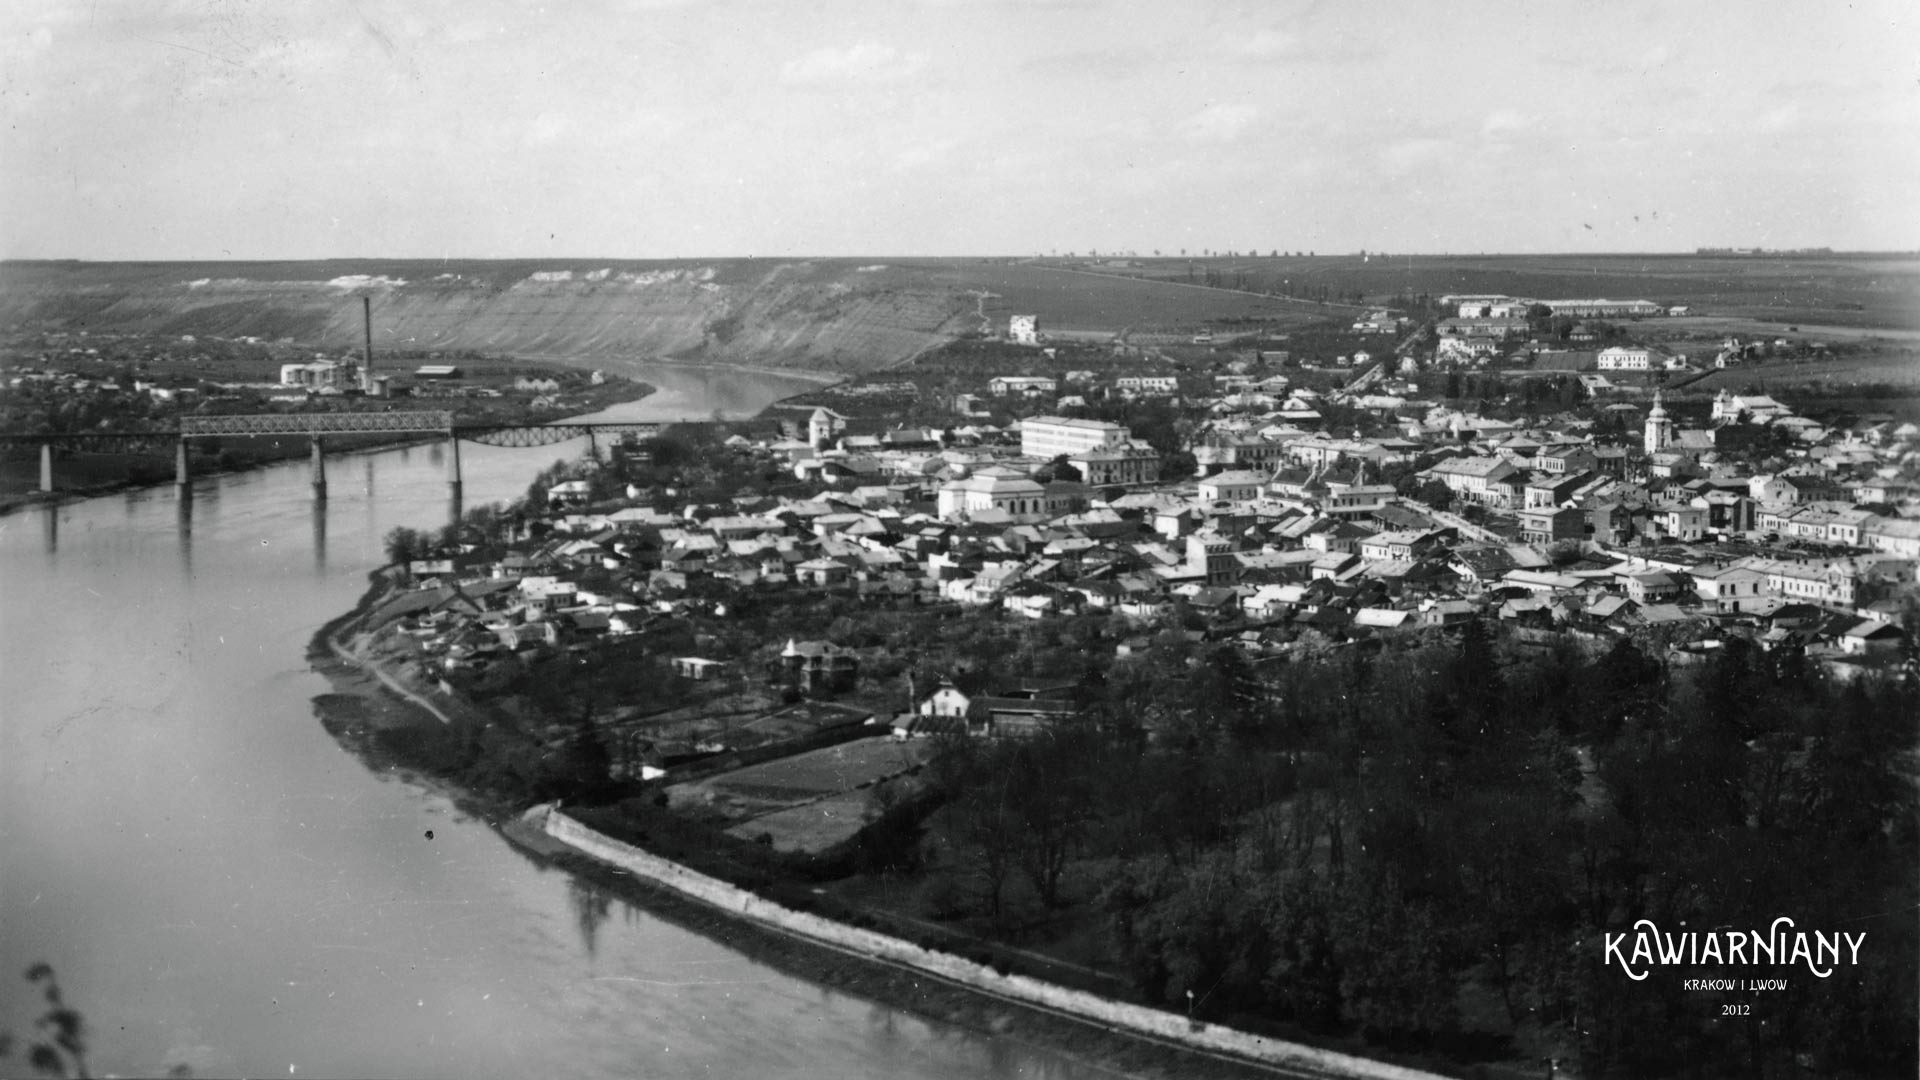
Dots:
pixel 395 732
pixel 1163 1029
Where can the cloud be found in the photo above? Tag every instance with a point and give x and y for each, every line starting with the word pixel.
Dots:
pixel 1778 119
pixel 1403 155
pixel 922 154
pixel 1269 45
pixel 1505 124
pixel 1094 63
pixel 549 127
pixel 1220 123
pixel 866 62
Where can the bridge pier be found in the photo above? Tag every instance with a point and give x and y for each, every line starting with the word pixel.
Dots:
pixel 319 470
pixel 46 466
pixel 182 473
pixel 453 468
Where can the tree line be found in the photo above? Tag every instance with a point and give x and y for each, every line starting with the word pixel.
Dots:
pixel 1425 845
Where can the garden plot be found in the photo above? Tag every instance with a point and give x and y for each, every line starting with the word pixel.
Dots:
pixel 807 802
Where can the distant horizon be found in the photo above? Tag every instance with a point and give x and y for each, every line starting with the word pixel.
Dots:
pixel 1724 253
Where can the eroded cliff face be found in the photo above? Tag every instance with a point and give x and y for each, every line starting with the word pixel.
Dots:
pixel 833 315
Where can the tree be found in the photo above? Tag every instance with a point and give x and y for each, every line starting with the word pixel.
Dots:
pixel 1049 799
pixel 1435 493
pixel 404 545
pixel 1060 469
pixel 63 1049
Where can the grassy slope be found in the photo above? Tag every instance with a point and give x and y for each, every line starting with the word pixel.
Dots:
pixel 837 314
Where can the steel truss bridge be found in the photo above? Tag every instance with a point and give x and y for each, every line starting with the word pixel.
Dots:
pixel 315 426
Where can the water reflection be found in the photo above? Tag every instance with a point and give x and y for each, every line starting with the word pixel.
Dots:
pixel 183 528
pixel 320 537
pixel 50 528
pixel 591 906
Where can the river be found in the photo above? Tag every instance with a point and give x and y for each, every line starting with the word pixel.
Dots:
pixel 220 886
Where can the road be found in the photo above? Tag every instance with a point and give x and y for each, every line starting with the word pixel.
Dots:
pixel 1467 528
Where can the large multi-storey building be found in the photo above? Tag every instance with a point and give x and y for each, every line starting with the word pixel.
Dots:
pixel 1048 437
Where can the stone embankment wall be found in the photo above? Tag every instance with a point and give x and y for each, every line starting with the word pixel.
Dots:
pixel 1090 1007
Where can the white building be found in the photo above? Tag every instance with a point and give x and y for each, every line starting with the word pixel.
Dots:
pixel 1147 384
pixel 1630 308
pixel 1047 437
pixel 1024 329
pixel 1013 495
pixel 1622 358
pixel 1235 487
pixel 1027 385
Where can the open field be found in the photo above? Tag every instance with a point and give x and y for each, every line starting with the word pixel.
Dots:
pixel 1835 374
pixel 1829 290
pixel 808 801
pixel 813 826
pixel 1748 328
pixel 1076 302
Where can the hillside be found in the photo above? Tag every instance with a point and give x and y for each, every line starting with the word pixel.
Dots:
pixel 832 314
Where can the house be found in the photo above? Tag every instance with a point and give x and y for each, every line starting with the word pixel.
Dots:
pixel 1685 523
pixel 1564 460
pixel 1550 525
pixel 819 665
pixel 1021 385
pixel 1871 636
pixel 1731 589
pixel 1794 490
pixel 1132 385
pixel 946 700
pixel 1481 479
pixel 1555 490
pixel 700 669
pixel 1023 329
pixel 1650 588
pixel 1020 717
pixel 1397 546
pixel 1897 536
pixel 1126 464
pixel 824 573
pixel 1232 487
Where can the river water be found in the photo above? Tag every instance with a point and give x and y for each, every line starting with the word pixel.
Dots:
pixel 219 885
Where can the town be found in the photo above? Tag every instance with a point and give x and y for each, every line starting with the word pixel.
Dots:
pixel 1010 649
pixel 1270 514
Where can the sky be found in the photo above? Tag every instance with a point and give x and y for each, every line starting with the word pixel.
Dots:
pixel 296 129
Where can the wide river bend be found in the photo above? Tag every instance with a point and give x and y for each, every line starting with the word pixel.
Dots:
pixel 219 885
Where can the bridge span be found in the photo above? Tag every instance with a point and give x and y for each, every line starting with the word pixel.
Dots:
pixel 317 426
